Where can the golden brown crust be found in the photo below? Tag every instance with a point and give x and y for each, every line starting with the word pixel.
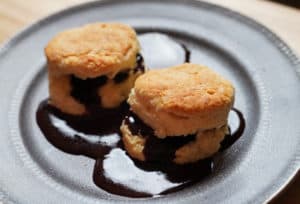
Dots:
pixel 207 143
pixel 93 50
pixel 181 100
pixel 87 52
pixel 113 94
pixel 134 144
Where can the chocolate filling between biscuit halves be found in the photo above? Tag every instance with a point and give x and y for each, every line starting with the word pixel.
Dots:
pixel 163 150
pixel 85 91
pixel 156 149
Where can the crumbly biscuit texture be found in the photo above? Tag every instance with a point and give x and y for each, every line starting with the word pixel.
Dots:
pixel 93 50
pixel 113 94
pixel 181 100
pixel 59 91
pixel 206 144
pixel 134 144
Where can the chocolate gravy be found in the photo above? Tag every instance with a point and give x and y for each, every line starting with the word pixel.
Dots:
pixel 230 139
pixel 97 136
pixel 89 135
pixel 85 91
pixel 156 149
pixel 121 76
pixel 119 174
pixel 187 56
pixel 140 64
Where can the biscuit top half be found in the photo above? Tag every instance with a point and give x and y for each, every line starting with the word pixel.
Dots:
pixel 182 100
pixel 93 50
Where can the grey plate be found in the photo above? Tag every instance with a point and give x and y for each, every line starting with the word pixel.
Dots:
pixel 264 70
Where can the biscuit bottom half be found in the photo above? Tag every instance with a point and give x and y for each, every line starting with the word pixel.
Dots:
pixel 141 143
pixel 77 96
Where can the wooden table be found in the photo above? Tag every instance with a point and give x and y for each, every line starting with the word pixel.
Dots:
pixel 283 20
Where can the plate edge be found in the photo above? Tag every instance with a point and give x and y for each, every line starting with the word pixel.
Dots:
pixel 281 45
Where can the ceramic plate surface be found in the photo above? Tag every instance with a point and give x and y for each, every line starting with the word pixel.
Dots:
pixel 263 69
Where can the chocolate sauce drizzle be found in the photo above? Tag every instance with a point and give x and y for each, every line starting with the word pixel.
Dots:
pixel 140 63
pixel 187 56
pixel 230 139
pixel 97 136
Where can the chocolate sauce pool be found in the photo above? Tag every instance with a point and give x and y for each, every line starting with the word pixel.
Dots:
pixel 97 136
pixel 89 135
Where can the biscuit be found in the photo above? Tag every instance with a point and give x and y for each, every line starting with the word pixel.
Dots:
pixel 206 144
pixel 93 50
pixel 89 52
pixel 182 100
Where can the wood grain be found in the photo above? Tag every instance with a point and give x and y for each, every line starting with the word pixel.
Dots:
pixel 283 20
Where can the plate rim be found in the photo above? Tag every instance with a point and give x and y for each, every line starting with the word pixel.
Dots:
pixel 273 37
